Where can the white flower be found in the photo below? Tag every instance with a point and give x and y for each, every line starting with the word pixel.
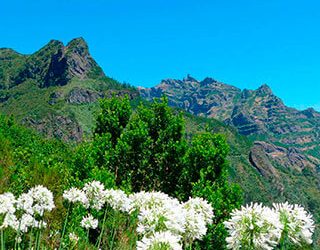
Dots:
pixel 89 222
pixel 254 227
pixel 74 195
pixel 297 223
pixel 10 220
pixel 27 221
pixel 25 203
pixel 162 240
pixel 145 200
pixel 42 200
pixel 200 206
pixel 73 237
pixel 95 193
pixel 195 226
pixel 7 203
pixel 118 200
pixel 158 212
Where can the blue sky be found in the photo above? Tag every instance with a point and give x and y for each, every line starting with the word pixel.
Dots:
pixel 244 43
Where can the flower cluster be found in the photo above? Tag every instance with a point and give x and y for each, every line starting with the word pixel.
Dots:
pixel 89 222
pixel 162 240
pixel 30 206
pixel 199 214
pixel 95 196
pixel 163 220
pixel 258 227
pixel 296 222
pixel 75 195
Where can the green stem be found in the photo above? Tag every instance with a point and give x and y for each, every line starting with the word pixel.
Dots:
pixel 87 241
pixel 103 226
pixel 39 241
pixel 16 244
pixel 31 239
pixel 64 226
pixel 2 240
pixel 113 231
pixel 36 240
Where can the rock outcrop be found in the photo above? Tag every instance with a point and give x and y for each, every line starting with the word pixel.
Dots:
pixel 253 112
pixel 54 64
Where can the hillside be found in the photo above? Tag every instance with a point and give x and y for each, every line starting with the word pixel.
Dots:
pixel 55 90
pixel 274 155
pixel 255 113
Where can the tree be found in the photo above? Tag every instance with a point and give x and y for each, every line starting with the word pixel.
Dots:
pixel 113 117
pixel 208 154
pixel 151 149
pixel 150 152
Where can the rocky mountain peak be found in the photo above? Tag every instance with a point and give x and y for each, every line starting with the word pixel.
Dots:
pixel 310 113
pixel 264 90
pixel 206 81
pixel 54 64
pixel 189 78
pixel 78 45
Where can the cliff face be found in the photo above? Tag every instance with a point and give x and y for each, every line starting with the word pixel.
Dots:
pixel 56 89
pixel 54 64
pixel 255 113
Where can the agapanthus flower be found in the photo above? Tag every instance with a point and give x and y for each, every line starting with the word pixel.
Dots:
pixel 42 200
pixel 158 212
pixel 95 193
pixel 73 237
pixel 195 226
pixel 26 221
pixel 253 227
pixel 10 220
pixel 160 240
pixel 296 221
pixel 118 200
pixel 145 200
pixel 7 203
pixel 89 222
pixel 25 203
pixel 200 206
pixel 74 195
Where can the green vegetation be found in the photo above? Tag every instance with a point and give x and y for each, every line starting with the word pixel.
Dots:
pixel 145 149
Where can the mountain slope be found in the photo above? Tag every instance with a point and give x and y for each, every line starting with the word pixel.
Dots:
pixel 55 90
pixel 255 113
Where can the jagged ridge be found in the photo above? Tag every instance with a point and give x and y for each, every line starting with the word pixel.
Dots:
pixel 255 113
pixel 54 64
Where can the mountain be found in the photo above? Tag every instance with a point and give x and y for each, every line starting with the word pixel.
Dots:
pixel 54 64
pixel 255 113
pixel 275 154
pixel 55 90
pixel 273 151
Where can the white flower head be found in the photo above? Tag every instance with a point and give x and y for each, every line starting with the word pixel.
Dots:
pixel 158 212
pixel 89 222
pixel 95 193
pixel 162 240
pixel 27 221
pixel 200 206
pixel 296 221
pixel 253 226
pixel 73 237
pixel 7 203
pixel 74 195
pixel 118 200
pixel 25 203
pixel 10 220
pixel 42 200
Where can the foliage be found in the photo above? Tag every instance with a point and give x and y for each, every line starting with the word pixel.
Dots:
pixel 150 152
